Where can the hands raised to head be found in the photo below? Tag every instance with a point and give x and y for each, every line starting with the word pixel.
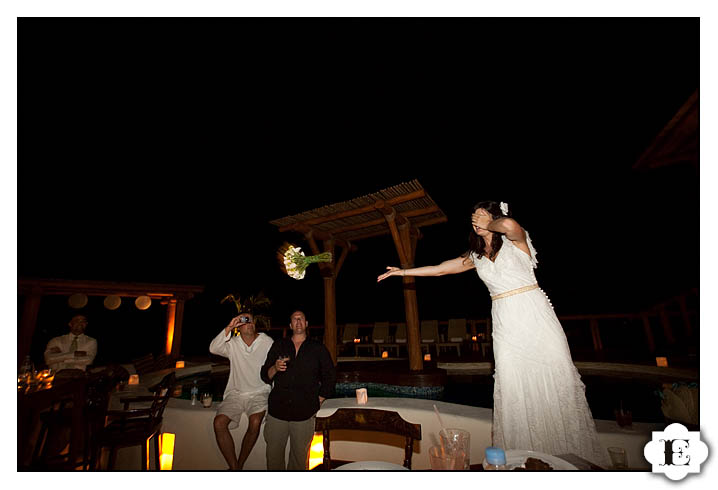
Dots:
pixel 392 271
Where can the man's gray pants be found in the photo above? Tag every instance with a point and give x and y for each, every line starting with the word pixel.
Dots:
pixel 276 433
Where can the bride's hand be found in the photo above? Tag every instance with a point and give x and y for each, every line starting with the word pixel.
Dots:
pixel 393 271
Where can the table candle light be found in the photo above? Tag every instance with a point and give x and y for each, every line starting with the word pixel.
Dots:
pixel 356 341
pixel 361 396
pixel 384 355
pixel 427 357
pixel 179 364
pixel 474 338
pixel 134 379
pixel 662 361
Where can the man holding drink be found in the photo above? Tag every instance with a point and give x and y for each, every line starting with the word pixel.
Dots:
pixel 246 392
pixel 303 376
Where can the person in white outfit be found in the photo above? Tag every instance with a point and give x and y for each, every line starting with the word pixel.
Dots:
pixel 539 399
pixel 245 391
pixel 74 350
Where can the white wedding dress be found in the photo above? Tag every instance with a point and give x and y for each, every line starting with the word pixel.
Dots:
pixel 539 399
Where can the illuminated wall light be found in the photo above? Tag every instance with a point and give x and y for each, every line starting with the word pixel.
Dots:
pixel 316 451
pixel 167 450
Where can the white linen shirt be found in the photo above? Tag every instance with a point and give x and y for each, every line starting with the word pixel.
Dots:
pixel 245 361
pixel 66 359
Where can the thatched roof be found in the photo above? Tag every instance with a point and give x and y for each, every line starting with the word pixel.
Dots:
pixel 678 140
pixel 362 217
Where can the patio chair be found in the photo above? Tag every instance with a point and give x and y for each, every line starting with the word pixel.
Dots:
pixel 367 419
pixel 135 427
pixel 429 334
pixel 456 335
pixel 351 332
pixel 380 335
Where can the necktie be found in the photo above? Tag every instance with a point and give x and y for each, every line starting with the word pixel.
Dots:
pixel 73 345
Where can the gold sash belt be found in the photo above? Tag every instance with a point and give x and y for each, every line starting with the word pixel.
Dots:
pixel 514 291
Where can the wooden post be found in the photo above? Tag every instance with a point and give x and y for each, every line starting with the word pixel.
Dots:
pixel 328 271
pixel 177 338
pixel 404 248
pixel 28 322
pixel 649 333
pixel 170 332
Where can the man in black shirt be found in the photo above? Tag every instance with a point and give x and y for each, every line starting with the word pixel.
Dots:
pixel 304 376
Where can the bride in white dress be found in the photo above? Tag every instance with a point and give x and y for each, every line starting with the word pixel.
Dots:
pixel 539 399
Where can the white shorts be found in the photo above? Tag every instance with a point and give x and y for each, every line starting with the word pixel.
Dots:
pixel 235 404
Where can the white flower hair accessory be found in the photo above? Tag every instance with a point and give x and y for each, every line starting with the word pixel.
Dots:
pixel 504 208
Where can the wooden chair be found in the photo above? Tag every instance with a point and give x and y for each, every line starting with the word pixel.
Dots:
pixel 368 419
pixel 135 427
pixel 144 364
pixel 50 429
pixel 456 335
pixel 429 334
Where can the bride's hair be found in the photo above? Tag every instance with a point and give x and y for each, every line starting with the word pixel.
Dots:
pixel 477 243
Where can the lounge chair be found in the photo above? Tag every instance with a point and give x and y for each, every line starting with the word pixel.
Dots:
pixel 456 335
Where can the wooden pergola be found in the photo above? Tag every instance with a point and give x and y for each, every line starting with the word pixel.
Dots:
pixel 173 295
pixel 400 211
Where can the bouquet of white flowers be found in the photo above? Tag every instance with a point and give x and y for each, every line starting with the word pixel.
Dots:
pixel 294 263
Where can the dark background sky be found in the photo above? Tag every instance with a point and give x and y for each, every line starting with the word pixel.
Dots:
pixel 159 150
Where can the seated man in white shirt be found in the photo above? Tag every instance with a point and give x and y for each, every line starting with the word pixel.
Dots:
pixel 245 391
pixel 74 350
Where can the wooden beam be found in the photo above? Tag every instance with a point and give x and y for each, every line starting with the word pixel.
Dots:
pixel 340 262
pixel 354 212
pixel 407 214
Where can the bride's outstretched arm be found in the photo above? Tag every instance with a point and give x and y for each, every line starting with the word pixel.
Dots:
pixel 453 266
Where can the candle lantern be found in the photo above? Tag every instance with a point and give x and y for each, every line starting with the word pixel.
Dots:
pixel 384 355
pixel 427 357
pixel 362 396
pixel 662 361
pixel 134 379
pixel 179 364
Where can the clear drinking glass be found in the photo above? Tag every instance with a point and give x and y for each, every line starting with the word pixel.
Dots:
pixel 442 458
pixel 618 458
pixel 455 440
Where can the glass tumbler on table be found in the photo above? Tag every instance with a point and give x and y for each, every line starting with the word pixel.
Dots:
pixel 455 440
pixel 442 458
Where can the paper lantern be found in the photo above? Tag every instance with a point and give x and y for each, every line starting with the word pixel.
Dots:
pixel 112 302
pixel 77 300
pixel 143 302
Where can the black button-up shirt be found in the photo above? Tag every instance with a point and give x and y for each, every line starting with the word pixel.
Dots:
pixel 310 374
